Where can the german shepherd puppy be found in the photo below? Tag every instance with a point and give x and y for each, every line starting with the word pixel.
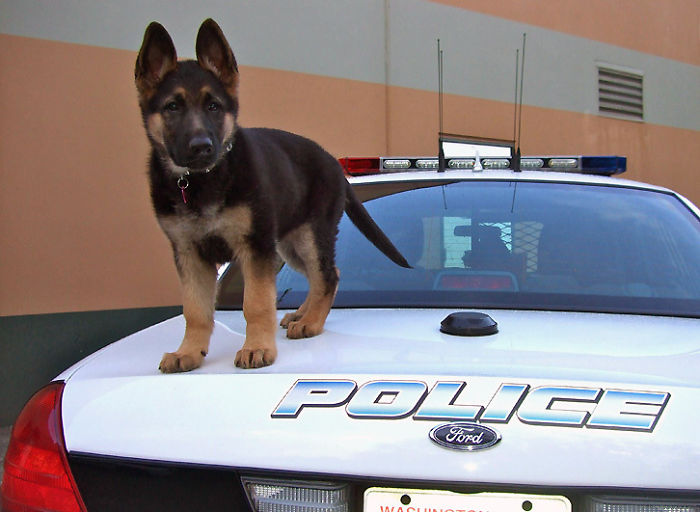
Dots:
pixel 222 193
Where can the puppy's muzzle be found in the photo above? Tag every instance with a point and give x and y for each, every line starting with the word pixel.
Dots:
pixel 201 152
pixel 201 148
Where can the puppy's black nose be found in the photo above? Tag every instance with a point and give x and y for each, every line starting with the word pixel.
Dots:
pixel 201 146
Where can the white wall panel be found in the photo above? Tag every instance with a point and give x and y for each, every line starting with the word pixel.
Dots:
pixel 346 39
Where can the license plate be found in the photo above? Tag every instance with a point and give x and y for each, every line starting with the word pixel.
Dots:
pixel 412 500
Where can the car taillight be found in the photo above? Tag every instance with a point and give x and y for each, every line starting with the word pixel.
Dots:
pixel 37 476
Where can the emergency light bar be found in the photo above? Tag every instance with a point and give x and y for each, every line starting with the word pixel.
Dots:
pixel 598 165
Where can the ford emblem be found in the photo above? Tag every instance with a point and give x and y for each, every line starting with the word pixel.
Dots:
pixel 464 436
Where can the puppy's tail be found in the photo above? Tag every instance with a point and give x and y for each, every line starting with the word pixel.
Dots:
pixel 361 218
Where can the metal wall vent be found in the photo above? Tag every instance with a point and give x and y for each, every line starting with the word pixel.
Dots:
pixel 620 93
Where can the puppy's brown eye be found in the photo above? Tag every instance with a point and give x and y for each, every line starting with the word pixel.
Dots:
pixel 214 106
pixel 172 106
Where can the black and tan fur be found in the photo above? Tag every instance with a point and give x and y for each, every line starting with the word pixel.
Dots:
pixel 251 194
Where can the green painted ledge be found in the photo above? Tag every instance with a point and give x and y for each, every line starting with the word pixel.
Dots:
pixel 36 348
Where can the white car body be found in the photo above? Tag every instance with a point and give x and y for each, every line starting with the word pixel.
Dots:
pixel 580 403
pixel 118 404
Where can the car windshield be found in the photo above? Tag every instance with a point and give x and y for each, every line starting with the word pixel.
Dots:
pixel 517 245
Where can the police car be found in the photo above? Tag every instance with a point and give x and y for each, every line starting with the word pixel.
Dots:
pixel 542 355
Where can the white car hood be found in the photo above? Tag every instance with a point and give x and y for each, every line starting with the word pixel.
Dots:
pixel 116 403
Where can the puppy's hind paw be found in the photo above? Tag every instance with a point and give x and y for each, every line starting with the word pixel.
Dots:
pixel 288 318
pixel 301 329
pixel 174 362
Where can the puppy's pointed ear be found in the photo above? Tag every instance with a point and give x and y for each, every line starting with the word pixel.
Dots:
pixel 214 54
pixel 156 58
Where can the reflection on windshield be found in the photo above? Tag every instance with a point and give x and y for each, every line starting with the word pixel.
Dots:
pixel 522 245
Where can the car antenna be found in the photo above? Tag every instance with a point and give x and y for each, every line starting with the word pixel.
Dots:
pixel 441 151
pixel 516 159
pixel 518 114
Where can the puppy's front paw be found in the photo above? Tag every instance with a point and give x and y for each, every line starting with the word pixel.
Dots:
pixel 255 357
pixel 174 362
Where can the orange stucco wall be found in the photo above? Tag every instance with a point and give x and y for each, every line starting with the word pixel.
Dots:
pixel 77 229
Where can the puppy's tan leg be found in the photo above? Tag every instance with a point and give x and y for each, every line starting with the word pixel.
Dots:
pixel 301 250
pixel 198 280
pixel 259 310
pixel 287 248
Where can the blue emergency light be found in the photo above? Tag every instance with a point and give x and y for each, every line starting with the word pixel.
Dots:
pixel 605 165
